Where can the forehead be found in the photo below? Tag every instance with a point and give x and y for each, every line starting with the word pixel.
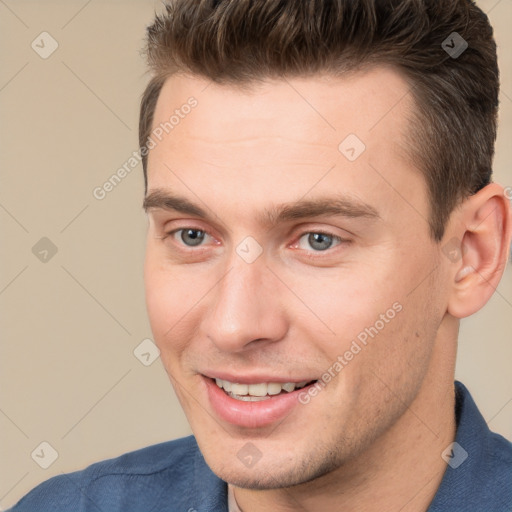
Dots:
pixel 287 133
pixel 315 107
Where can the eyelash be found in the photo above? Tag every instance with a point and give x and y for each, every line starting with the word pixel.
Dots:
pixel 312 254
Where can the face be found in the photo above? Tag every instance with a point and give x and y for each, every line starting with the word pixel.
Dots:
pixel 292 266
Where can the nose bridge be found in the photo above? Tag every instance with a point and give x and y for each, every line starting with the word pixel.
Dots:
pixel 246 307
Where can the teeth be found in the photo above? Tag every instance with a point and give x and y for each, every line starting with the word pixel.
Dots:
pixel 248 398
pixel 257 389
pixel 274 388
pixel 239 389
pixel 256 392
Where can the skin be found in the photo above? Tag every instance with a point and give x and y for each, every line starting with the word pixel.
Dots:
pixel 372 438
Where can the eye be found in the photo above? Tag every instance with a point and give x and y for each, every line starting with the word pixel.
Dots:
pixel 318 241
pixel 191 237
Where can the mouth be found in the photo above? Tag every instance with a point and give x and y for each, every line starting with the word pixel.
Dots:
pixel 254 404
pixel 259 391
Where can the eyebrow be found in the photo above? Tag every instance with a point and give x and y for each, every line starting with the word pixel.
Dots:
pixel 341 206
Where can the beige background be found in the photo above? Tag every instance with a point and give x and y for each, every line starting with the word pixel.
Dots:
pixel 69 326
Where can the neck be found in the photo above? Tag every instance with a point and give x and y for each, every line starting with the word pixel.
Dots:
pixel 402 470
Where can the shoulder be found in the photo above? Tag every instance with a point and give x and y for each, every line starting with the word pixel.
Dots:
pixel 138 480
pixel 498 465
pixel 479 477
pixel 488 480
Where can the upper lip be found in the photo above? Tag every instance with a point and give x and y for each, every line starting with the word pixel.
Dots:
pixel 253 378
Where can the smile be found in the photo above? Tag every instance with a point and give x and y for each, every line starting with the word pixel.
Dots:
pixel 254 404
pixel 259 391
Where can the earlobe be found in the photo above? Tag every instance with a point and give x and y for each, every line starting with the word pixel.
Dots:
pixel 485 219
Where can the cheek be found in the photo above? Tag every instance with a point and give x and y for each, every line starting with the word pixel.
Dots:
pixel 370 316
pixel 168 299
pixel 397 353
pixel 176 298
pixel 158 301
pixel 341 303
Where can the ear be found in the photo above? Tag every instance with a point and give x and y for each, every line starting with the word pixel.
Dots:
pixel 482 239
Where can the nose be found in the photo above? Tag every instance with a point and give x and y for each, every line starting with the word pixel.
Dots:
pixel 245 308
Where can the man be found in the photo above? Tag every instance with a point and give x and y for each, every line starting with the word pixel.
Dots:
pixel 321 216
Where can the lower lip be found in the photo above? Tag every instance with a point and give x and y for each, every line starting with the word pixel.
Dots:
pixel 252 414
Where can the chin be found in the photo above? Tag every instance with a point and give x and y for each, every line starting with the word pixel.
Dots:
pixel 261 480
pixel 273 474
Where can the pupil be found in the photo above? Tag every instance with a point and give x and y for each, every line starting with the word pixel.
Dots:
pixel 320 241
pixel 192 236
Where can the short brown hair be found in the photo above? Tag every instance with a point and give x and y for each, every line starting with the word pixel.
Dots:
pixel 239 42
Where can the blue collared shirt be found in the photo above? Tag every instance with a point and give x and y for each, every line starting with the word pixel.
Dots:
pixel 173 476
